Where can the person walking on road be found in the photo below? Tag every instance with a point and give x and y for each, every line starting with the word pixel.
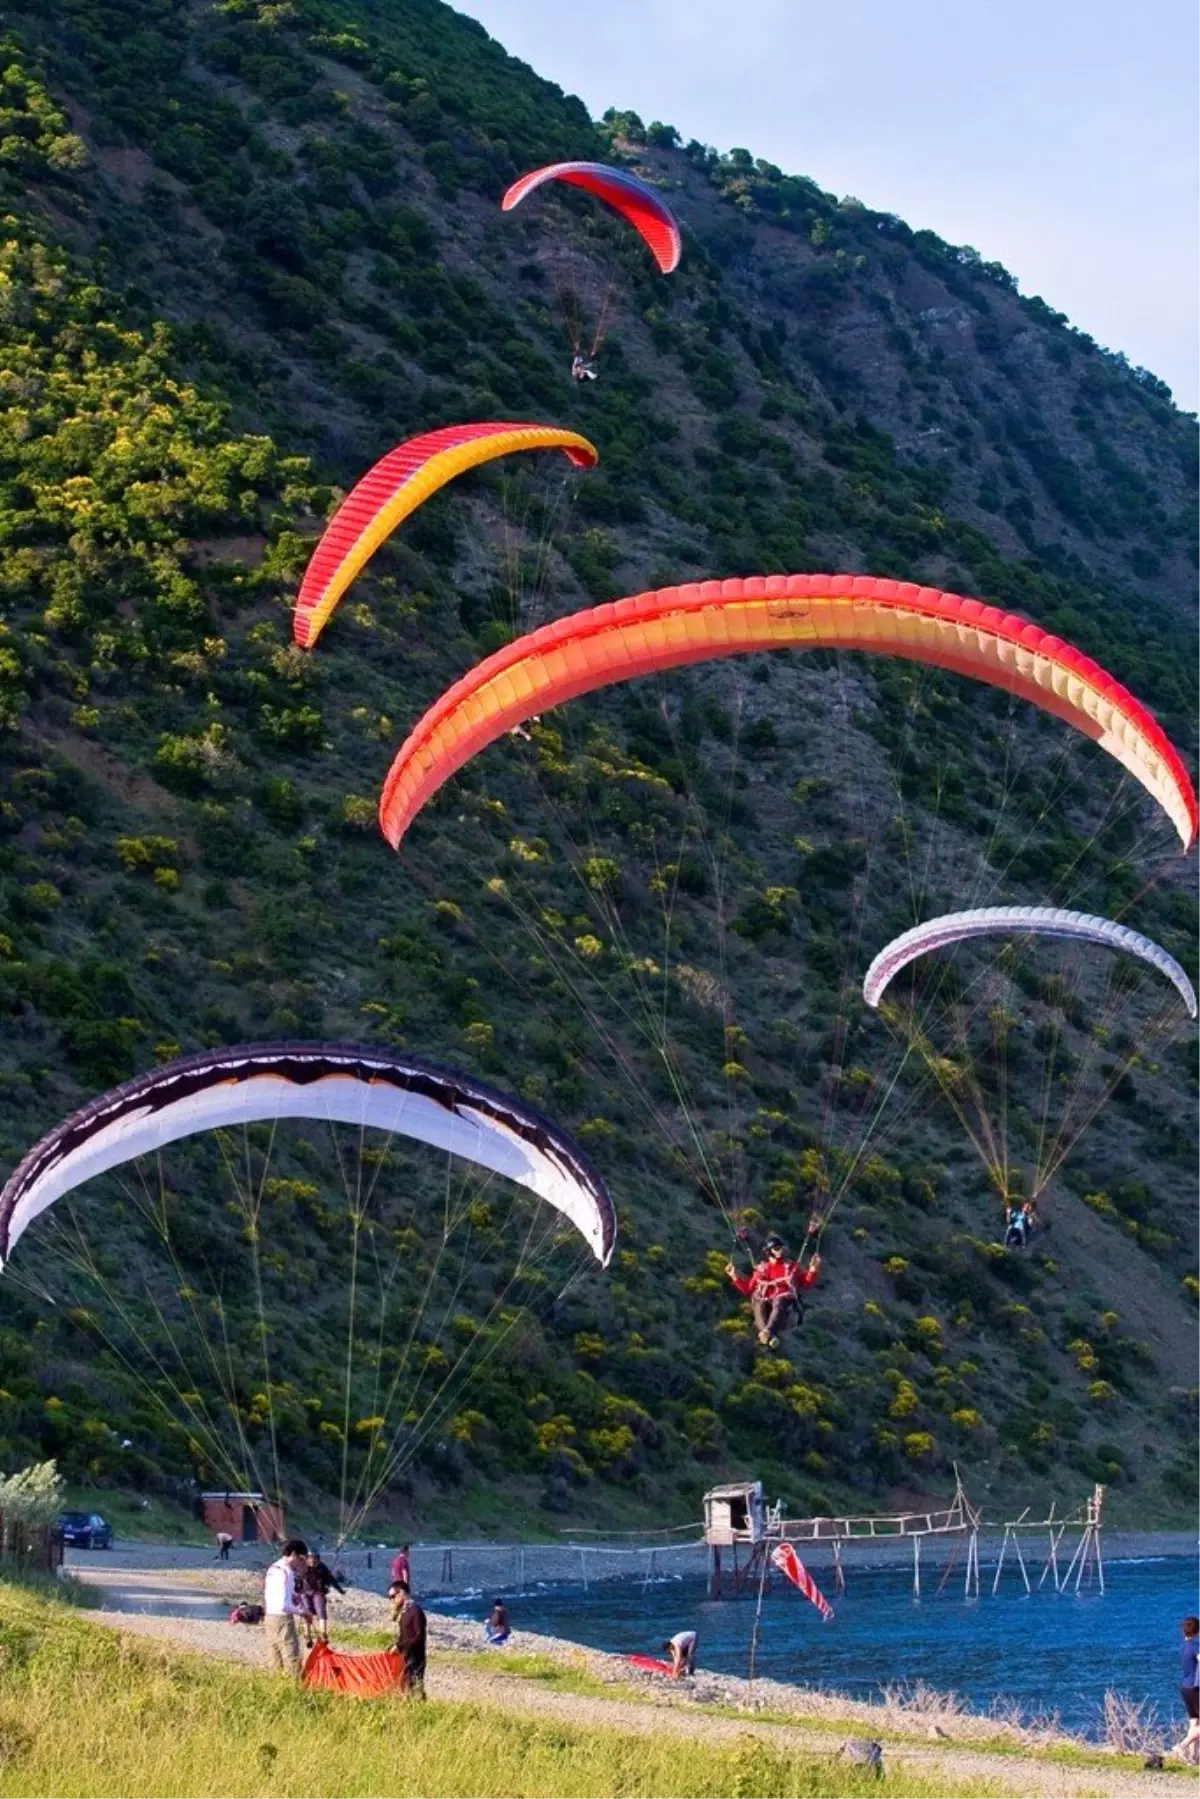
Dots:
pixel 401 1566
pixel 1188 1748
pixel 280 1608
pixel 224 1545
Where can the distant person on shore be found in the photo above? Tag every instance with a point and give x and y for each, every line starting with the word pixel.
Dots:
pixel 313 1585
pixel 773 1288
pixel 279 1602
pixel 401 1566
pixel 1189 1690
pixel 682 1650
pixel 411 1633
pixel 224 1545
pixel 497 1630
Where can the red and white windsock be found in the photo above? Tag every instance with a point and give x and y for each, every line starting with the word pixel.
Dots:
pixel 789 1563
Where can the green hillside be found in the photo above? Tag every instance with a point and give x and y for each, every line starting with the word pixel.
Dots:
pixel 248 248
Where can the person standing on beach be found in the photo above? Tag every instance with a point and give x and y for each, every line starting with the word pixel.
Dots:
pixel 279 1603
pixel 1189 1689
pixel 682 1650
pixel 313 1585
pixel 401 1566
pixel 411 1633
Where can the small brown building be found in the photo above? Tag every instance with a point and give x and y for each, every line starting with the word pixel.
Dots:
pixel 734 1514
pixel 248 1517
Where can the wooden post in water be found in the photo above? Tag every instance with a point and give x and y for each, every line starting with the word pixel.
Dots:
pixel 1051 1567
pixel 916 1542
pixel 1071 1565
pixel 1088 1553
pixel 1012 1534
pixel 1021 1561
pixel 839 1573
pixel 762 1587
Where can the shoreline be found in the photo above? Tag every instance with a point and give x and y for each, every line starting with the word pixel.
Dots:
pixel 449 1569
pixel 545 1678
pixel 915 1705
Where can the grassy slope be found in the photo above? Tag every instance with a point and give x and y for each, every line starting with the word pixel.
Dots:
pixel 821 386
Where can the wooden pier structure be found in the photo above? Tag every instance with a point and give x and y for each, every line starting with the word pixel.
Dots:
pixel 1086 1561
pixel 742 1532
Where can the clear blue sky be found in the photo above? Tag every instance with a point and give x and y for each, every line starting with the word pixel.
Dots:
pixel 1059 137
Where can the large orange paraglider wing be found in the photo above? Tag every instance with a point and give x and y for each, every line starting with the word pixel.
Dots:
pixel 631 198
pixel 400 482
pixel 707 619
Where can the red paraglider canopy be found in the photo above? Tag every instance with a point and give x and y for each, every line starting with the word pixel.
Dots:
pixel 630 197
pixel 650 1664
pixel 361 1676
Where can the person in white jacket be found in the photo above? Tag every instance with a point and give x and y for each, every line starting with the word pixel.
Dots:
pixel 279 1606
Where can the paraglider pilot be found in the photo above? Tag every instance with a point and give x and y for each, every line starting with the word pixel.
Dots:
pixel 582 367
pixel 773 1288
pixel 1020 1222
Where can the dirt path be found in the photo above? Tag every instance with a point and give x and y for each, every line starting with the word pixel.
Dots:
pixel 180 1612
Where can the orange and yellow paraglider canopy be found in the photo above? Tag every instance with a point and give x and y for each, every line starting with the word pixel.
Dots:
pixel 393 489
pixel 706 619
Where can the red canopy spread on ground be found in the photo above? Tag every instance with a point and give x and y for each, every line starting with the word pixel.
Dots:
pixel 362 1676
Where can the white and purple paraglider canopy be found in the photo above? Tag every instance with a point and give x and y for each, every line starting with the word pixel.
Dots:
pixel 1019 921
pixel 332 1083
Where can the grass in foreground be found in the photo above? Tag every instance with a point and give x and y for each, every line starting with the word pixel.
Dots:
pixel 84 1712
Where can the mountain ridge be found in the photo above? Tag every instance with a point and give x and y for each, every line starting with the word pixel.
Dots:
pixel 228 310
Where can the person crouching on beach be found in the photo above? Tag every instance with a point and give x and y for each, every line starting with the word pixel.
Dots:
pixel 497 1630
pixel 1189 1690
pixel 682 1650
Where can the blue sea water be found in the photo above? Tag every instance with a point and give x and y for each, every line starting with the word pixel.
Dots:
pixel 1049 1651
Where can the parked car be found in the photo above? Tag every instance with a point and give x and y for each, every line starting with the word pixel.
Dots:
pixel 84 1530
